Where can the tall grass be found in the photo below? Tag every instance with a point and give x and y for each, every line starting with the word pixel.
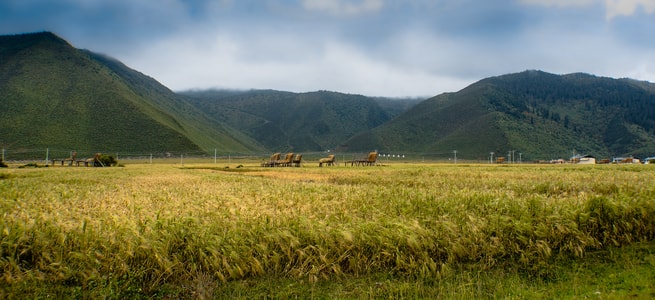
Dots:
pixel 143 227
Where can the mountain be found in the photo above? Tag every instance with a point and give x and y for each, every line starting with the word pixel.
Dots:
pixel 284 121
pixel 53 95
pixel 537 114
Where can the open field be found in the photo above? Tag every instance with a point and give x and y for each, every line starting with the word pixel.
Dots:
pixel 400 230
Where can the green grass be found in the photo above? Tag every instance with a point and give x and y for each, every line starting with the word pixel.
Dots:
pixel 410 230
pixel 610 274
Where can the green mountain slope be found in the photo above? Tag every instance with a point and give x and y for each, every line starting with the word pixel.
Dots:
pixel 54 95
pixel 537 114
pixel 284 121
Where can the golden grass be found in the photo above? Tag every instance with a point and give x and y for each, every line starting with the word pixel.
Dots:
pixel 154 224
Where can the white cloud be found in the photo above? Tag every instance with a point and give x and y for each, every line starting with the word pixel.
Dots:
pixel 558 3
pixel 613 8
pixel 422 58
pixel 643 71
pixel 344 7
pixel 345 68
pixel 616 8
pixel 220 62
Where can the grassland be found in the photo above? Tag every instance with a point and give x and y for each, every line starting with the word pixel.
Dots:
pixel 406 230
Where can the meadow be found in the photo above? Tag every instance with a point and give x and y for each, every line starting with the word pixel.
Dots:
pixel 406 230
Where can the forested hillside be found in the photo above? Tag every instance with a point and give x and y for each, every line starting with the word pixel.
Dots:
pixel 537 114
pixel 284 121
pixel 56 96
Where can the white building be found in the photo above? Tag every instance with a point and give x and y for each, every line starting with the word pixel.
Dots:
pixel 583 159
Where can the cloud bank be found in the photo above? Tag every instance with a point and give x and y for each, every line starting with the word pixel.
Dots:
pixel 371 47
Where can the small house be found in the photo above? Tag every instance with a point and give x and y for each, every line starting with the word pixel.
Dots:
pixel 583 159
pixel 626 160
pixel 587 160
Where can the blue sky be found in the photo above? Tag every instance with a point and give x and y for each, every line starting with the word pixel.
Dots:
pixel 372 47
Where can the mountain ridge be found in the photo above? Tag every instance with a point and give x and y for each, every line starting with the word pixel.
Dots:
pixel 54 95
pixel 286 121
pixel 541 114
pixel 57 96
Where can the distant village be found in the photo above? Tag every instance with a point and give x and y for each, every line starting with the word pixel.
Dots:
pixel 590 160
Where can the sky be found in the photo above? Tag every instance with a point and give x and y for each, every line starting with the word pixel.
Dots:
pixel 390 48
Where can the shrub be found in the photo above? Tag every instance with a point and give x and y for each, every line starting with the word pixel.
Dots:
pixel 29 165
pixel 108 160
pixel 2 164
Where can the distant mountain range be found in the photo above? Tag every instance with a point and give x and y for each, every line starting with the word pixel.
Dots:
pixel 53 95
pixel 537 114
pixel 284 121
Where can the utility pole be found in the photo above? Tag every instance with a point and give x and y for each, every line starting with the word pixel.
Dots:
pixel 455 152
pixel 215 155
pixel 491 157
pixel 47 154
